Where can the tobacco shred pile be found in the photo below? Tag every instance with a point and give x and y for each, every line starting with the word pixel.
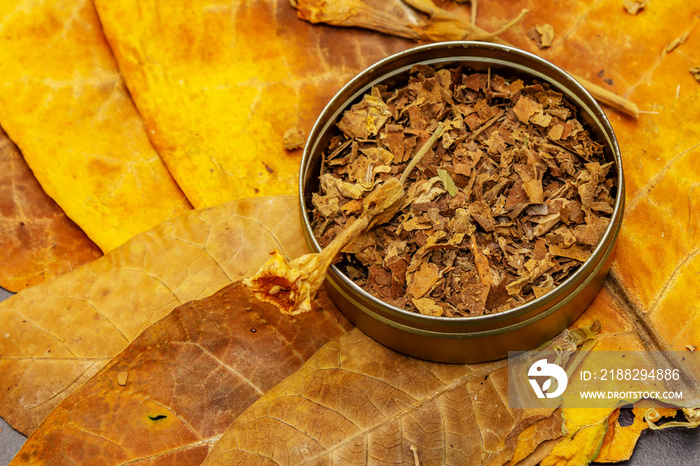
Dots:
pixel 512 198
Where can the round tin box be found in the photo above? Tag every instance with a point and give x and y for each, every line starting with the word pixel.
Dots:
pixel 487 337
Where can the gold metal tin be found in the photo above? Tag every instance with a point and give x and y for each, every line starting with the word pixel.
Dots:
pixel 487 337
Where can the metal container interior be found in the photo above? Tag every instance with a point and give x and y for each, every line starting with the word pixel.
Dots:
pixel 487 337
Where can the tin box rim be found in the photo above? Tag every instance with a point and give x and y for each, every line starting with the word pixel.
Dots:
pixel 446 53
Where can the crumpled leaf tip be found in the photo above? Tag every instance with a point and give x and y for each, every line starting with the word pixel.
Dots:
pixel 280 283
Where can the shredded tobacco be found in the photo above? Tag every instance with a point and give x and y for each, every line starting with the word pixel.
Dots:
pixel 512 198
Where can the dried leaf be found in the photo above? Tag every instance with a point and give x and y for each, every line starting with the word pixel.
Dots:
pixel 620 441
pixel 413 19
pixel 356 399
pixel 547 429
pixel 575 251
pixel 397 18
pixel 365 118
pixel 647 292
pixel 216 107
pixel 57 335
pixel 659 286
pixel 585 428
pixel 37 241
pixel 423 280
pixel 181 383
pixel 64 104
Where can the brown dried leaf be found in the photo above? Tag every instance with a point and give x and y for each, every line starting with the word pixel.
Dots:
pixel 215 106
pixel 181 383
pixel 355 399
pixel 396 18
pixel 37 241
pixel 64 104
pixel 413 19
pixel 58 334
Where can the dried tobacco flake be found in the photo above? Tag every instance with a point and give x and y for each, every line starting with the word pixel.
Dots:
pixel 677 41
pixel 634 6
pixel 447 182
pixel 294 138
pixel 509 202
pixel 696 73
pixel 542 35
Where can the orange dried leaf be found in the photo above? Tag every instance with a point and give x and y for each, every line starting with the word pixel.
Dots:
pixel 620 441
pixel 37 241
pixel 63 102
pixel 58 334
pixel 179 385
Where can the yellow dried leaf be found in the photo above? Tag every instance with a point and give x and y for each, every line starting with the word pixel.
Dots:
pixel 582 448
pixel 219 85
pixel 63 102
pixel 58 334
